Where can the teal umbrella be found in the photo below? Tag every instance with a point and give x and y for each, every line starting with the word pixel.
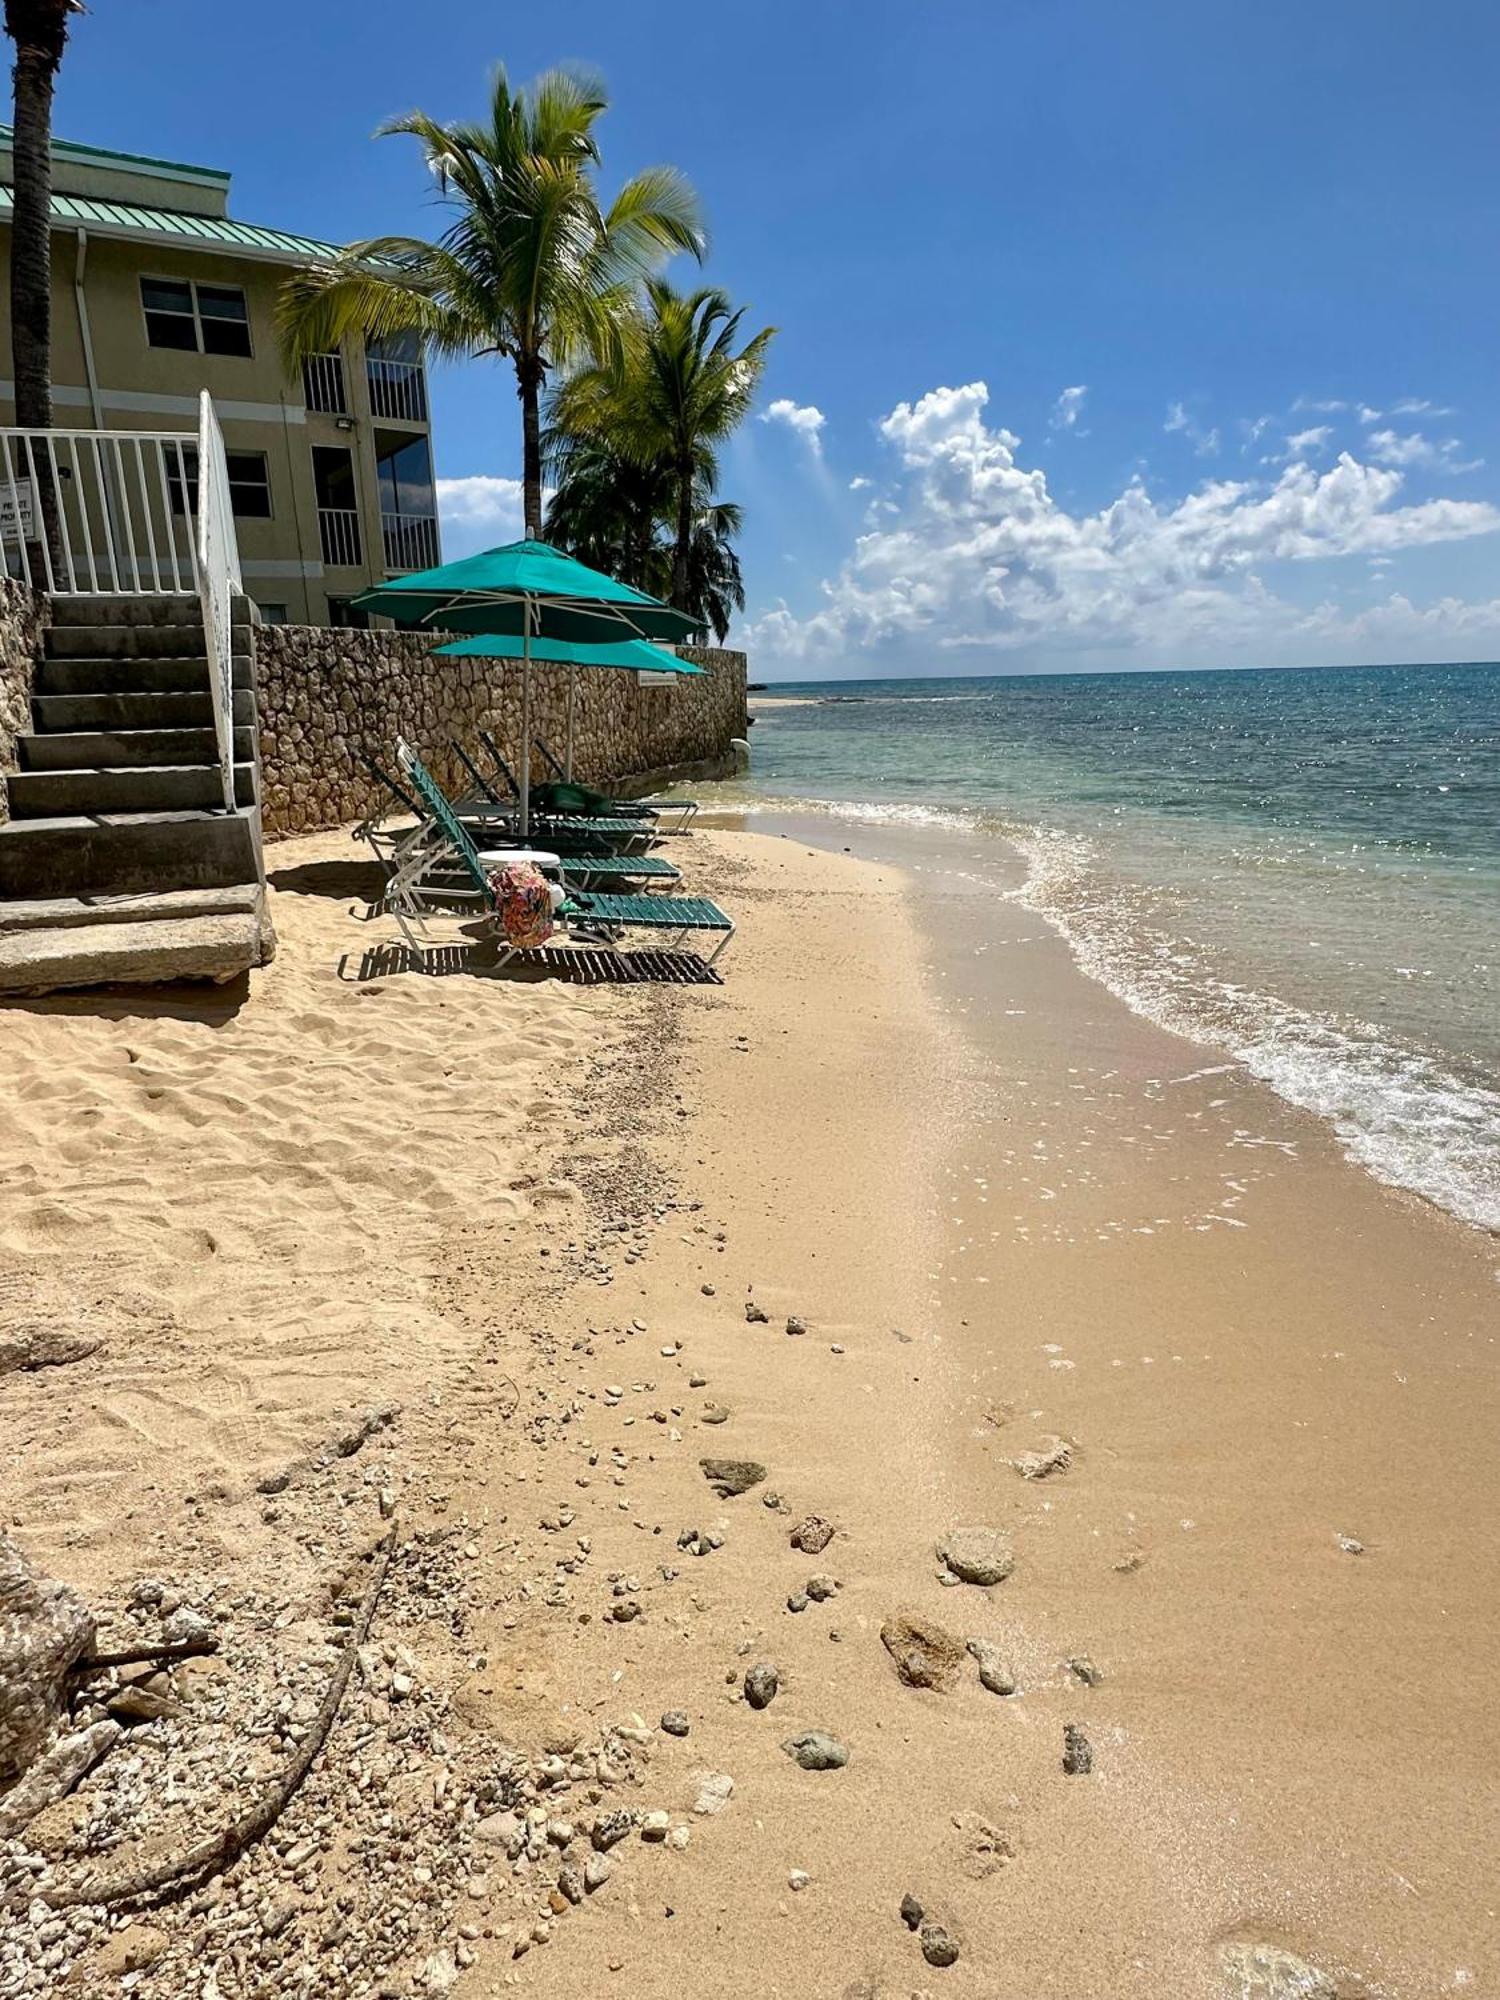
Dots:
pixel 533 592
pixel 632 655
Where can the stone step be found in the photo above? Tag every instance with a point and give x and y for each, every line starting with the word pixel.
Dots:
pixel 109 854
pixel 123 642
pixel 56 913
pixel 175 609
pixel 52 712
pixel 134 642
pixel 216 947
pixel 152 788
pixel 180 676
pixel 113 749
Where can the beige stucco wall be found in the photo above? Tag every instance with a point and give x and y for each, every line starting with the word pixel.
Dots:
pixel 260 407
pixel 328 697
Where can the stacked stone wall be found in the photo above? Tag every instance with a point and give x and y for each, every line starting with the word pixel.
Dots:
pixel 23 616
pixel 330 698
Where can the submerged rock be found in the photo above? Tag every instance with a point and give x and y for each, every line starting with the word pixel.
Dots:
pixel 1260 1971
pixel 976 1555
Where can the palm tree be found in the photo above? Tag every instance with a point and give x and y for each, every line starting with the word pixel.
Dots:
pixel 604 510
pixel 531 268
pixel 666 392
pixel 39 29
pixel 715 586
pixel 621 518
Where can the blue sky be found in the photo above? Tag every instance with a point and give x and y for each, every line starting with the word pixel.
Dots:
pixel 1159 335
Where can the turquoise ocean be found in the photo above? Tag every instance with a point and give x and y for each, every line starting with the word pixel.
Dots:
pixel 1299 867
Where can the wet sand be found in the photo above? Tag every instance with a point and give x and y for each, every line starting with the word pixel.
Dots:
pixel 1013 1219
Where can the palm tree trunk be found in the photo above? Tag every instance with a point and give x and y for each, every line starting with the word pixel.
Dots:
pixel 683 543
pixel 529 377
pixel 39 30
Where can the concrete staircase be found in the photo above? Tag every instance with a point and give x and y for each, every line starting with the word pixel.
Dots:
pixel 120 861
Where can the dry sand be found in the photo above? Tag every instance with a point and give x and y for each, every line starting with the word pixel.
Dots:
pixel 1011 1217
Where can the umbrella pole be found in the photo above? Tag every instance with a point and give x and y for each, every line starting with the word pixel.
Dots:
pixel 526 724
pixel 572 705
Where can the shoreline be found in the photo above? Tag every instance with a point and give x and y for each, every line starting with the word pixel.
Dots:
pixel 1409 1116
pixel 1012 1215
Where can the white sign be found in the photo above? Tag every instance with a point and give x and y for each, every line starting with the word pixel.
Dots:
pixel 18 511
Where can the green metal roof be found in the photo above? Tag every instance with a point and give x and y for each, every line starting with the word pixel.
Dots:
pixel 191 232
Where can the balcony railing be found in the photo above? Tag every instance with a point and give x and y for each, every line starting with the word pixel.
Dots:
pixel 338 528
pixel 411 541
pixel 323 384
pixel 397 389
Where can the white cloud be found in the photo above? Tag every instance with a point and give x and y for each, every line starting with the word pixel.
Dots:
pixel 1327 406
pixel 1069 408
pixel 1419 406
pixel 1205 443
pixel 1315 438
pixel 803 418
pixel 1412 448
pixel 1367 415
pixel 978 554
pixel 858 483
pixel 479 511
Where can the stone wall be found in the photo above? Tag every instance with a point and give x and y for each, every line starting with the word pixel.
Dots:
pixel 328 697
pixel 22 617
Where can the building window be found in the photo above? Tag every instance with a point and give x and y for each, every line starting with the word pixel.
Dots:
pixel 342 612
pixel 273 614
pixel 194 318
pixel 249 483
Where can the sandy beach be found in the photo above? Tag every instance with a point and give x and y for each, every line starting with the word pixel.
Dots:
pixel 920 1229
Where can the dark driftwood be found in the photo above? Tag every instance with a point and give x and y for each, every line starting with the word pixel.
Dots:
pixel 220 1850
pixel 44 1628
pixel 134 1656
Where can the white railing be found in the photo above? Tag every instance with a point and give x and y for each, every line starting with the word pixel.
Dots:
pixel 323 384
pixel 338 530
pixel 130 514
pixel 218 581
pixel 397 389
pixel 411 540
pixel 99 511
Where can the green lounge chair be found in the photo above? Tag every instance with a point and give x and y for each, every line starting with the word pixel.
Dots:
pixel 566 833
pixel 566 795
pixel 599 917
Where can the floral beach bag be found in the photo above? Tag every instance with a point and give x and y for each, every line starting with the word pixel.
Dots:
pixel 523 902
